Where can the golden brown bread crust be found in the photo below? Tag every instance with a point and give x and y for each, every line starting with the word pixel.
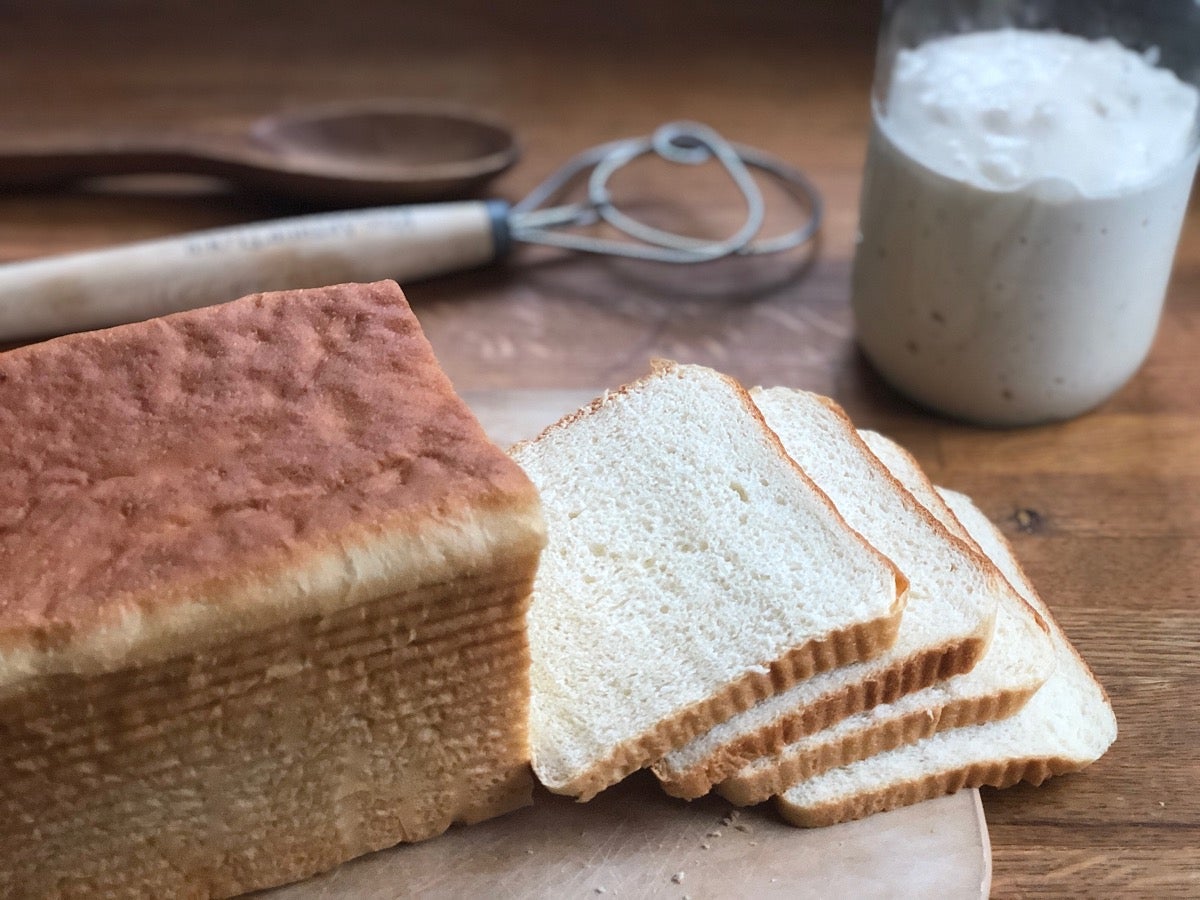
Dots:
pixel 263 605
pixel 908 676
pixel 194 458
pixel 998 774
pixel 858 642
pixel 787 768
pixel 254 427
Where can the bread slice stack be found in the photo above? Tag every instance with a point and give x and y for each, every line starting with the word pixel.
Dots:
pixel 665 512
pixel 692 570
pixel 1067 725
pixel 954 595
pixel 1019 660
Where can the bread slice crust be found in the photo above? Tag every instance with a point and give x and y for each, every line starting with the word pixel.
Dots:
pixel 755 784
pixel 1033 744
pixel 837 649
pixel 998 774
pixel 916 672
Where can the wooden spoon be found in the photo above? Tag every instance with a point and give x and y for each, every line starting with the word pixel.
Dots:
pixel 345 154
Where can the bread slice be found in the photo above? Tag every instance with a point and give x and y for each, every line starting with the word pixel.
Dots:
pixel 692 569
pixel 263 600
pixel 1019 660
pixel 1066 726
pixel 906 470
pixel 947 624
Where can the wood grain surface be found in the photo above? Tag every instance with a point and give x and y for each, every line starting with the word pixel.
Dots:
pixel 1104 511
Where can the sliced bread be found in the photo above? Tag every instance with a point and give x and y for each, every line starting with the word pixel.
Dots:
pixel 953 596
pixel 1019 660
pixel 1066 726
pixel 905 469
pixel 692 570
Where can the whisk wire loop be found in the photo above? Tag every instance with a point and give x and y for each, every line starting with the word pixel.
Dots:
pixel 683 143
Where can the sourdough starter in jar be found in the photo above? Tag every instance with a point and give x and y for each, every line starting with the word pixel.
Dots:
pixel 1023 197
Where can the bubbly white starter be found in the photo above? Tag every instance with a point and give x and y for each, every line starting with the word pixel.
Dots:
pixel 1023 198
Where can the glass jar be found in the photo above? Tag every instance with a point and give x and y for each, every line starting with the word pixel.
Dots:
pixel 1023 197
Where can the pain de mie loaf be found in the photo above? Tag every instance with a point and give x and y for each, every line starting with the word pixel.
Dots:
pixel 263 584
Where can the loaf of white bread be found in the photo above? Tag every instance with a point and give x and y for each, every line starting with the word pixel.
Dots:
pixel 263 584
pixel 628 622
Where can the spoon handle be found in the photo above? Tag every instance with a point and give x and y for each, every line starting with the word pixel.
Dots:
pixel 130 156
pixel 99 288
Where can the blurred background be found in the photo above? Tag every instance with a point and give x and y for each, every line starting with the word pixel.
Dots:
pixel 791 78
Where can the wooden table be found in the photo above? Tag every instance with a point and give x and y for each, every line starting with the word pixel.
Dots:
pixel 1104 511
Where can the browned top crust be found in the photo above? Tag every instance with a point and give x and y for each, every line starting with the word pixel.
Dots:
pixel 138 461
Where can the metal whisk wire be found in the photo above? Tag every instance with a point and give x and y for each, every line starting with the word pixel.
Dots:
pixel 684 143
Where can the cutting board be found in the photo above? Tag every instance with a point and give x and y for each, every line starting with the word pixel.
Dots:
pixel 635 841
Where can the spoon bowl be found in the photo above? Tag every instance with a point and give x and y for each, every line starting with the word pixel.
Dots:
pixel 347 154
